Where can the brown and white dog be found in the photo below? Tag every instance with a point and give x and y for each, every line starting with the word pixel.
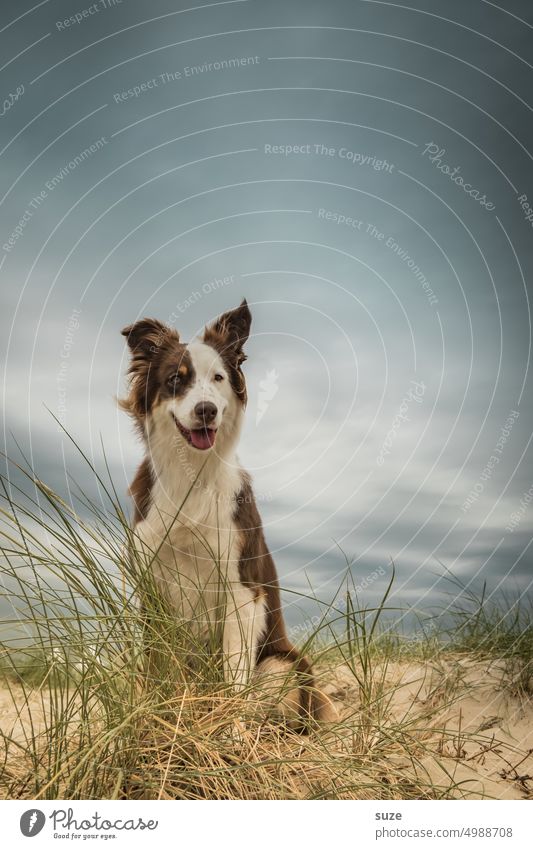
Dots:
pixel 195 512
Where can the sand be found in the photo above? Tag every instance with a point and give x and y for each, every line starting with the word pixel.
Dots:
pixel 475 731
pixel 451 722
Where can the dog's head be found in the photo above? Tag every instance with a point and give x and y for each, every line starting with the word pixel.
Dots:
pixel 196 390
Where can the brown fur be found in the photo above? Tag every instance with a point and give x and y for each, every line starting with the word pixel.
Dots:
pixel 227 335
pixel 141 489
pixel 160 366
pixel 257 570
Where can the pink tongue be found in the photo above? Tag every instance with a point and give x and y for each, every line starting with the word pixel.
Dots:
pixel 203 438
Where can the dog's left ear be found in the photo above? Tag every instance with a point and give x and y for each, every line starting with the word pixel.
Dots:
pixel 231 330
pixel 146 336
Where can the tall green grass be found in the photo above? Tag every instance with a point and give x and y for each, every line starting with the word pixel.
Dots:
pixel 500 627
pixel 110 697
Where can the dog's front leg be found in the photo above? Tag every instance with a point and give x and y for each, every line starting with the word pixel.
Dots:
pixel 237 660
pixel 244 624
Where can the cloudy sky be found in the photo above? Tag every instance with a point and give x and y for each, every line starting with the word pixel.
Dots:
pixel 361 172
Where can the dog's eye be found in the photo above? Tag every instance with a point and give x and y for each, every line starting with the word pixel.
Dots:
pixel 173 380
pixel 218 377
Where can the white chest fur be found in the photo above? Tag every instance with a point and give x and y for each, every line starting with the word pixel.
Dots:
pixel 191 539
pixel 194 546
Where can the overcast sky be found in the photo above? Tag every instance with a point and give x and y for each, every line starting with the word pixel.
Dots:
pixel 361 172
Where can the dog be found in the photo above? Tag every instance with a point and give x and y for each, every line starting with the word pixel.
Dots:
pixel 196 520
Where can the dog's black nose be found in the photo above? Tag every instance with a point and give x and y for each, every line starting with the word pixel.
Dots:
pixel 205 412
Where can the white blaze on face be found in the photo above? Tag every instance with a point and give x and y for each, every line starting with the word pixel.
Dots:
pixel 208 366
pixel 207 386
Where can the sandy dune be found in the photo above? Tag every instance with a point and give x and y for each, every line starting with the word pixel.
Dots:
pixel 446 724
pixel 474 731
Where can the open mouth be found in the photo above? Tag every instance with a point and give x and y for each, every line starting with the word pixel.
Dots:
pixel 201 438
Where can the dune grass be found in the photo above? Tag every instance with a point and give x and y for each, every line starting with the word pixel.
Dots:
pixel 107 696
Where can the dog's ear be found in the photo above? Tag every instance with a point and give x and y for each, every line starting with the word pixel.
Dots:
pixel 146 336
pixel 231 330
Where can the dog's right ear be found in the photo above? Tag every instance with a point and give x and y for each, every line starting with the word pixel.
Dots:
pixel 146 336
pixel 230 331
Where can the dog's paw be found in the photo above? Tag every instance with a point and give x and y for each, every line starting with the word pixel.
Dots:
pixel 324 710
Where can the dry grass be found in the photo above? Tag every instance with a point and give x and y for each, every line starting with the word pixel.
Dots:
pixel 428 736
